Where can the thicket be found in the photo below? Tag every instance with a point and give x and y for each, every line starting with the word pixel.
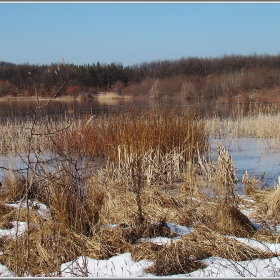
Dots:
pixel 222 77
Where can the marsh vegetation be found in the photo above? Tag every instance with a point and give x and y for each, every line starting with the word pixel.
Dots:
pixel 99 186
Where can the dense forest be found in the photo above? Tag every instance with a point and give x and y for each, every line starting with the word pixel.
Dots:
pixel 221 78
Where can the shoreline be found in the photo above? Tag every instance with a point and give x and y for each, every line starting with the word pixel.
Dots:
pixel 82 96
pixel 34 98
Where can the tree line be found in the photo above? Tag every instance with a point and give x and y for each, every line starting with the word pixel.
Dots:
pixel 191 77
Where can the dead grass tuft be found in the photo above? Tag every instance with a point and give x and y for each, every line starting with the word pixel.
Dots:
pixel 13 188
pixel 268 205
pixel 230 220
pixel 177 258
pixel 51 246
pixel 215 244
pixel 145 251
pixel 267 235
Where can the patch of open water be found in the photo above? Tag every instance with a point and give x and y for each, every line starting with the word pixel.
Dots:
pixel 254 155
pixel 251 154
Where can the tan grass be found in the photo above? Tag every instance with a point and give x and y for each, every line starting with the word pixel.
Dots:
pixel 230 220
pixel 111 95
pixel 268 206
pixel 215 244
pixel 262 121
pixel 267 235
pixel 176 259
pixel 154 173
pixel 132 131
pixel 51 247
pixel 13 187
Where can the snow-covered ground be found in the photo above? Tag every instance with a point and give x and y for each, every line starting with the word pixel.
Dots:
pixel 123 266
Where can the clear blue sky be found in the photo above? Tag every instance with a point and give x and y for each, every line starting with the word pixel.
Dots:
pixel 130 33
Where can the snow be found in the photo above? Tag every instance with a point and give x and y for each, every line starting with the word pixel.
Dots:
pixel 17 230
pixel 263 246
pixel 40 208
pixel 117 266
pixel 4 272
pixel 123 266
pixel 219 267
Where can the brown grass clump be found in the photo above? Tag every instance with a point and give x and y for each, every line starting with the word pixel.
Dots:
pixel 145 251
pixel 6 217
pixel 73 205
pixel 225 177
pixel 220 217
pixel 136 132
pixel 218 210
pixel 177 258
pixel 50 247
pixel 215 244
pixel 267 235
pixel 268 205
pixel 272 205
pixel 229 220
pixel 12 214
pixel 113 241
pixel 13 188
pixel 123 239
pixel 252 187
pixel 253 190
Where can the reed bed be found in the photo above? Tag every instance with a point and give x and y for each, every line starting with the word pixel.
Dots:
pixel 261 121
pixel 135 132
pixel 80 215
pixel 152 171
pixel 132 131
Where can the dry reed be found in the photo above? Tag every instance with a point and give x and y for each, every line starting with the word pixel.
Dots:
pixel 261 121
pixel 154 172
pixel 215 244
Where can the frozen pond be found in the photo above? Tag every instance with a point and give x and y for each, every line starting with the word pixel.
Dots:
pixel 252 154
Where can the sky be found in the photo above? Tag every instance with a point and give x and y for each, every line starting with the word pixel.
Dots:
pixel 130 33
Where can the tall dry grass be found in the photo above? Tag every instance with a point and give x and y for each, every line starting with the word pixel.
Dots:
pixel 134 132
pixel 261 121
pixel 80 216
pixel 152 172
